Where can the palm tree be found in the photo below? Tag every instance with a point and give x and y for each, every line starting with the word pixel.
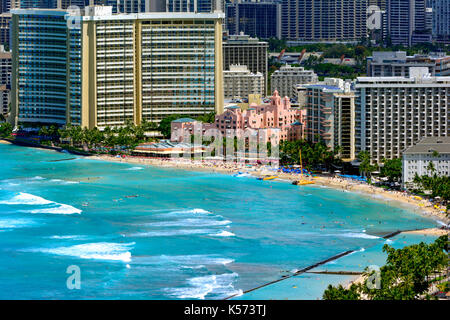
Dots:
pixel 435 154
pixel 430 167
pixel 365 167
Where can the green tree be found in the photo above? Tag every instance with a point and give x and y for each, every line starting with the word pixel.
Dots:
pixel 207 118
pixel 365 168
pixel 392 169
pixel 405 276
pixel 340 293
pixel 439 185
pixel 5 129
pixel 430 167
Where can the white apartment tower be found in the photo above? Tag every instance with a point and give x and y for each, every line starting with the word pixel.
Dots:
pixel 286 78
pixel 239 82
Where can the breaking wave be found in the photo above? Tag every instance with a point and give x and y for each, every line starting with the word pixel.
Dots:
pixel 220 286
pixel 97 251
pixel 190 223
pixel 223 233
pixel 27 199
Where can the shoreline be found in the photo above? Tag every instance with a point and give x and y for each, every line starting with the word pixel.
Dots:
pixel 422 207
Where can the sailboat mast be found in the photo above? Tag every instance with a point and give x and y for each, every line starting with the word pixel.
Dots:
pixel 301 166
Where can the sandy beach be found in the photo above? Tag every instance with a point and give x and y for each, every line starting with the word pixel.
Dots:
pixel 433 232
pixel 423 207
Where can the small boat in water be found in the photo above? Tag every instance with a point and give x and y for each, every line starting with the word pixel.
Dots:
pixel 270 178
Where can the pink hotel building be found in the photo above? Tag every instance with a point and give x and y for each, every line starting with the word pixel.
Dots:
pixel 273 122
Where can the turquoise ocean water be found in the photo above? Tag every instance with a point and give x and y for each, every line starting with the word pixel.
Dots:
pixel 139 232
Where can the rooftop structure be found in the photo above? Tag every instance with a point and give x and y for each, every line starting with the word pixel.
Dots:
pixel 167 149
pixel 388 64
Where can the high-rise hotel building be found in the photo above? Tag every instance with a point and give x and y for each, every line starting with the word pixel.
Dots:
pixel 394 113
pixel 104 69
pixel 330 110
pixel 324 20
pixel 441 20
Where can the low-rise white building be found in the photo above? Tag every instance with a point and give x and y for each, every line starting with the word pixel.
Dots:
pixel 239 82
pixel 417 159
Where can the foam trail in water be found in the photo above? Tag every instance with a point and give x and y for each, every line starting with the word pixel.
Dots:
pixel 97 251
pixel 184 260
pixel 64 181
pixel 221 286
pixel 71 237
pixel 360 250
pixel 169 233
pixel 223 233
pixel 135 168
pixel 197 210
pixel 442 223
pixel 189 223
pixel 16 223
pixel 37 178
pixel 60 209
pixel 359 235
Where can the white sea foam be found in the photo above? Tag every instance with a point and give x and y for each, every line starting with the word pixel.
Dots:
pixel 98 251
pixel 442 223
pixel 64 181
pixel 223 233
pixel 37 178
pixel 135 168
pixel 169 233
pixel 198 211
pixel 27 199
pixel 184 261
pixel 71 237
pixel 359 235
pixel 193 267
pixel 187 212
pixel 189 223
pixel 355 251
pixel 221 286
pixel 16 223
pixel 60 209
